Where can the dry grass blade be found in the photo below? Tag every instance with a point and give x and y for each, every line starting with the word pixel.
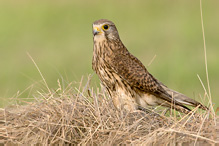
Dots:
pixel 206 62
pixel 44 80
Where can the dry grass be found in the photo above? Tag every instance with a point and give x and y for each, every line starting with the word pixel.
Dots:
pixel 80 116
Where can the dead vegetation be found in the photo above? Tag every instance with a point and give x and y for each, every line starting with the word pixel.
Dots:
pixel 82 116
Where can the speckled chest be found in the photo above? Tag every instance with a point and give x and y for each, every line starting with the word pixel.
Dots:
pixel 102 55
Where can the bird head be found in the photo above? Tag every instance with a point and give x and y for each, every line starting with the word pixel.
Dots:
pixel 104 29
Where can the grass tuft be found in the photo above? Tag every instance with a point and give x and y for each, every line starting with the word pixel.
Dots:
pixel 78 115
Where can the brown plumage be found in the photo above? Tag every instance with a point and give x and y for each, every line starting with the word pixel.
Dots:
pixel 127 80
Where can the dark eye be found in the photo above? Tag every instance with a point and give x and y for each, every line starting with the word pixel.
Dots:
pixel 105 27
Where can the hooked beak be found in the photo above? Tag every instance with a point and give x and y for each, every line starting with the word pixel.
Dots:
pixel 96 31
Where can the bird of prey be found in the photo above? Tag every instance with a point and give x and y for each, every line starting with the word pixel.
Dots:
pixel 128 82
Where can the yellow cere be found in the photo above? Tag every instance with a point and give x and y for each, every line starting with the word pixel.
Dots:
pixel 97 29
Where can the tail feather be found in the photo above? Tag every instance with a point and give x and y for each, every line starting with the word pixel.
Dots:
pixel 183 98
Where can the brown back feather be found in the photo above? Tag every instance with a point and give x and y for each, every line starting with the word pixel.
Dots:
pixel 130 69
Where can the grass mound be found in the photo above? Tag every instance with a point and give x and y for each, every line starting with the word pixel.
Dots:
pixel 81 116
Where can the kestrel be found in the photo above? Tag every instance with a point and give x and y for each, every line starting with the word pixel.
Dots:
pixel 128 82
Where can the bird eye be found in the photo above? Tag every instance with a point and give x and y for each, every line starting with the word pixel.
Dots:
pixel 105 27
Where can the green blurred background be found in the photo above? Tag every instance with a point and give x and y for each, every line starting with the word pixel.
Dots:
pixel 58 35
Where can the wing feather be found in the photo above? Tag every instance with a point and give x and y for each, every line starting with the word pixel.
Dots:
pixel 130 69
